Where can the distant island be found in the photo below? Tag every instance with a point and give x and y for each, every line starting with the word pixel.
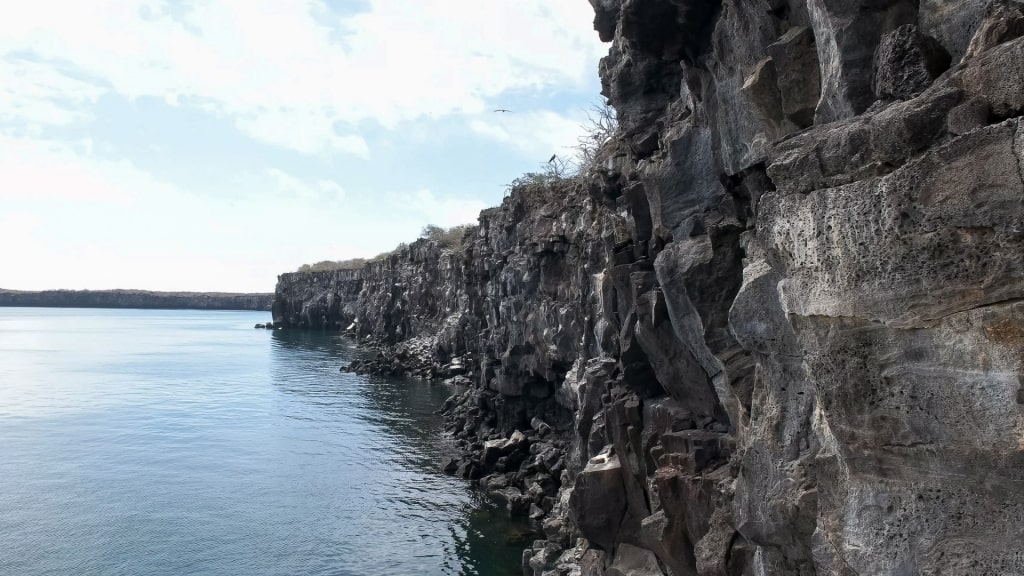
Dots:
pixel 135 299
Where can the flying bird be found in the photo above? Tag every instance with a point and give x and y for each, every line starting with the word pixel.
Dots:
pixel 501 110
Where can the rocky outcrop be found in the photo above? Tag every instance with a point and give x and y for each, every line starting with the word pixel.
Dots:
pixel 136 299
pixel 778 330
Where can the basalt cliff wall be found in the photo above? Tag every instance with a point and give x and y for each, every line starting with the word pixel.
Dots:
pixel 778 330
pixel 135 299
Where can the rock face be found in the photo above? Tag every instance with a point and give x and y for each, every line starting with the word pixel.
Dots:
pixel 135 299
pixel 779 330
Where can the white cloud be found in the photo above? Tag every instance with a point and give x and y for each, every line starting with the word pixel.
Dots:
pixel 316 193
pixel 80 220
pixel 534 134
pixel 302 132
pixel 429 209
pixel 290 73
pixel 283 72
pixel 35 95
pixel 35 169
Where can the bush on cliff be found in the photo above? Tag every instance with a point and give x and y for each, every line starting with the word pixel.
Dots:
pixel 446 237
pixel 450 238
pixel 598 131
pixel 328 265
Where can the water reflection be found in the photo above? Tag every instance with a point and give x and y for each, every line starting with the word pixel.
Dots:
pixel 408 446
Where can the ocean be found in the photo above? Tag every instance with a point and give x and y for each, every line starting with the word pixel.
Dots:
pixel 176 442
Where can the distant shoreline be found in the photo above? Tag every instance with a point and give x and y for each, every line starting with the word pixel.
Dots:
pixel 140 299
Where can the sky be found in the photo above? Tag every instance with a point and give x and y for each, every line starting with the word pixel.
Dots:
pixel 211 145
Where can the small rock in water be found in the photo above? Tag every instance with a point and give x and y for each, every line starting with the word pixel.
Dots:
pixel 450 465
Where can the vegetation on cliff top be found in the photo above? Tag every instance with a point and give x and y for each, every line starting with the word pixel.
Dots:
pixel 599 129
pixel 447 238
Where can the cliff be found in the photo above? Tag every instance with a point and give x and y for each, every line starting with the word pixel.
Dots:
pixel 135 299
pixel 778 330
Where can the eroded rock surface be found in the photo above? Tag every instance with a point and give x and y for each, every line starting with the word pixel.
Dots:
pixel 779 330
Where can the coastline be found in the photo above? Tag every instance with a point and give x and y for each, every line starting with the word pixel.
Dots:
pixel 138 299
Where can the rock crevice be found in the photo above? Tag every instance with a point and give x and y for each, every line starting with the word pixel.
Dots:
pixel 777 330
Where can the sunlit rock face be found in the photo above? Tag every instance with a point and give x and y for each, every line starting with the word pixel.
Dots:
pixel 779 329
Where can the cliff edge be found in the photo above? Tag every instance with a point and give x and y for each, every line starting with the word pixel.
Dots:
pixel 779 330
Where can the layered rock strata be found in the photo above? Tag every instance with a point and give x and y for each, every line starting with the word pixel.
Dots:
pixel 778 330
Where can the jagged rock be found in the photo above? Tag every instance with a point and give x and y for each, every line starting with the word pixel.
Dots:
pixel 997 77
pixel 599 500
pixel 847 33
pixel 907 62
pixel 952 22
pixel 540 426
pixel 968 116
pixel 775 329
pixel 606 15
pixel 667 539
pixel 633 561
pixel 795 58
pixel 1003 21
pixel 450 465
pixel 592 563
pixel 494 449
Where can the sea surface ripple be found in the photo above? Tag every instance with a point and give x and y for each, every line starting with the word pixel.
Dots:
pixel 185 442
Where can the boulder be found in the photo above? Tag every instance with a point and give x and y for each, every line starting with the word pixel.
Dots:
pixel 598 500
pixel 907 62
pixel 633 561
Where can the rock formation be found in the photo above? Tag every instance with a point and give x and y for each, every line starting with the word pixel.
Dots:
pixel 779 330
pixel 136 299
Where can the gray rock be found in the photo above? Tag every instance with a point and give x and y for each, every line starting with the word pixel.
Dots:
pixel 799 82
pixel 907 62
pixel 970 115
pixel 775 329
pixel 952 22
pixel 632 561
pixel 1003 22
pixel 599 501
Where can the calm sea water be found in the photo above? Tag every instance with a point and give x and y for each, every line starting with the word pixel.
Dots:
pixel 185 442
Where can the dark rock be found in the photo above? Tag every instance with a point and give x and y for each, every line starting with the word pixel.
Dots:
pixel 450 465
pixel 606 14
pixel 795 59
pixel 633 561
pixel 996 76
pixel 1003 21
pixel 774 329
pixel 599 501
pixel 907 62
pixel 970 115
